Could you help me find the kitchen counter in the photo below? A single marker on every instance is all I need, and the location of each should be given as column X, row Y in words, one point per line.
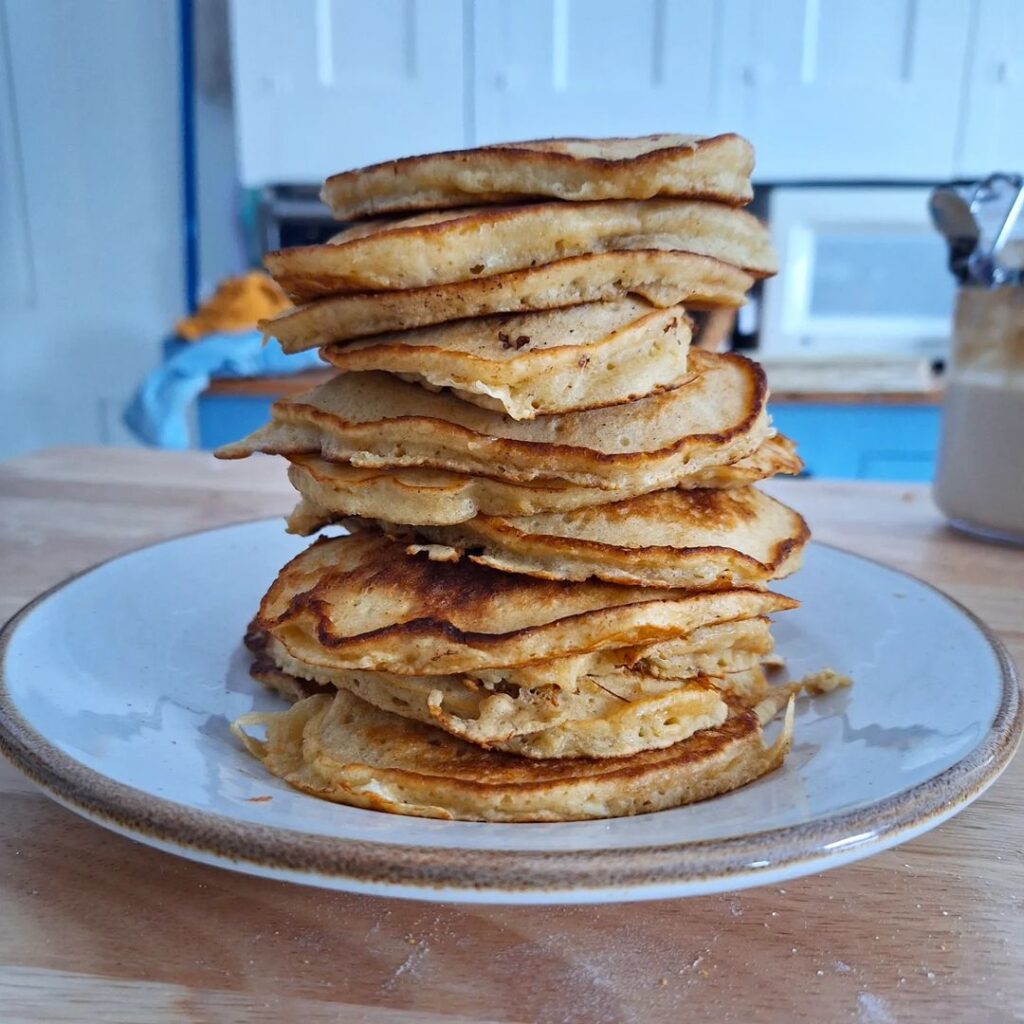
column 96, row 927
column 869, row 398
column 275, row 387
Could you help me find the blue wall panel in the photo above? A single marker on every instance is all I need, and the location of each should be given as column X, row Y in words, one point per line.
column 224, row 418
column 863, row 442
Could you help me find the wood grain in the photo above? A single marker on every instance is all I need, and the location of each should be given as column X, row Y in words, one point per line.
column 269, row 387
column 917, row 398
column 95, row 927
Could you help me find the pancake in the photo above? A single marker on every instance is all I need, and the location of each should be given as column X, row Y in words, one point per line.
column 374, row 419
column 622, row 717
column 715, row 167
column 580, row 357
column 340, row 748
column 609, row 711
column 601, row 716
column 420, row 497
column 438, row 248
column 690, row 539
column 662, row 278
column 361, row 602
column 776, row 456
column 732, row 651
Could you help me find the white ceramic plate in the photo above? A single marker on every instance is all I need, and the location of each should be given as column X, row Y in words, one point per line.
column 118, row 687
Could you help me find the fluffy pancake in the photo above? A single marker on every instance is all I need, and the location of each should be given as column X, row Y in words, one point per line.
column 691, row 539
column 733, row 652
column 438, row 248
column 579, row 357
column 716, row 167
column 601, row 716
column 361, row 602
column 419, row 497
column 621, row 717
column 610, row 711
column 663, row 278
column 374, row 419
column 340, row 748
column 776, row 456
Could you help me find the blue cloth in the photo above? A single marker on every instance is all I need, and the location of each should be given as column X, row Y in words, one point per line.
column 158, row 414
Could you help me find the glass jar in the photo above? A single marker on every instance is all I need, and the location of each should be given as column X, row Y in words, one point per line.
column 980, row 480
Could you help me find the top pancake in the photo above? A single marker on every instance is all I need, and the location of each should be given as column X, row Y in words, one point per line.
column 692, row 166
column 440, row 247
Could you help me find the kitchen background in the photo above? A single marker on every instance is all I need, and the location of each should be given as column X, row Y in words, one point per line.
column 149, row 149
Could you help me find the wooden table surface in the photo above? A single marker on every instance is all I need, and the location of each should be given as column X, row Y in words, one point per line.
column 95, row 927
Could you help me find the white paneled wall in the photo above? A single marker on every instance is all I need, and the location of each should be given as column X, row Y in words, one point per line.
column 90, row 236
column 321, row 85
column 17, row 276
column 993, row 112
column 594, row 67
column 829, row 90
column 222, row 247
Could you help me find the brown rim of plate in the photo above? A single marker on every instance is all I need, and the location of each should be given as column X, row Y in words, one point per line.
column 361, row 863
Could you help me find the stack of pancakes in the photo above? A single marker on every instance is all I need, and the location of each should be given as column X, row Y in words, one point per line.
column 552, row 602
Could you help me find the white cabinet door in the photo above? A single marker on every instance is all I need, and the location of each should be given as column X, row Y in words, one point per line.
column 993, row 131
column 90, row 214
column 325, row 85
column 846, row 89
column 593, row 67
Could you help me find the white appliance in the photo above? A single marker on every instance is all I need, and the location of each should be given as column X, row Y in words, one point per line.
column 862, row 271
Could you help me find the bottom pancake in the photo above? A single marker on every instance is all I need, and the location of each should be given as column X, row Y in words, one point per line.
column 342, row 749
